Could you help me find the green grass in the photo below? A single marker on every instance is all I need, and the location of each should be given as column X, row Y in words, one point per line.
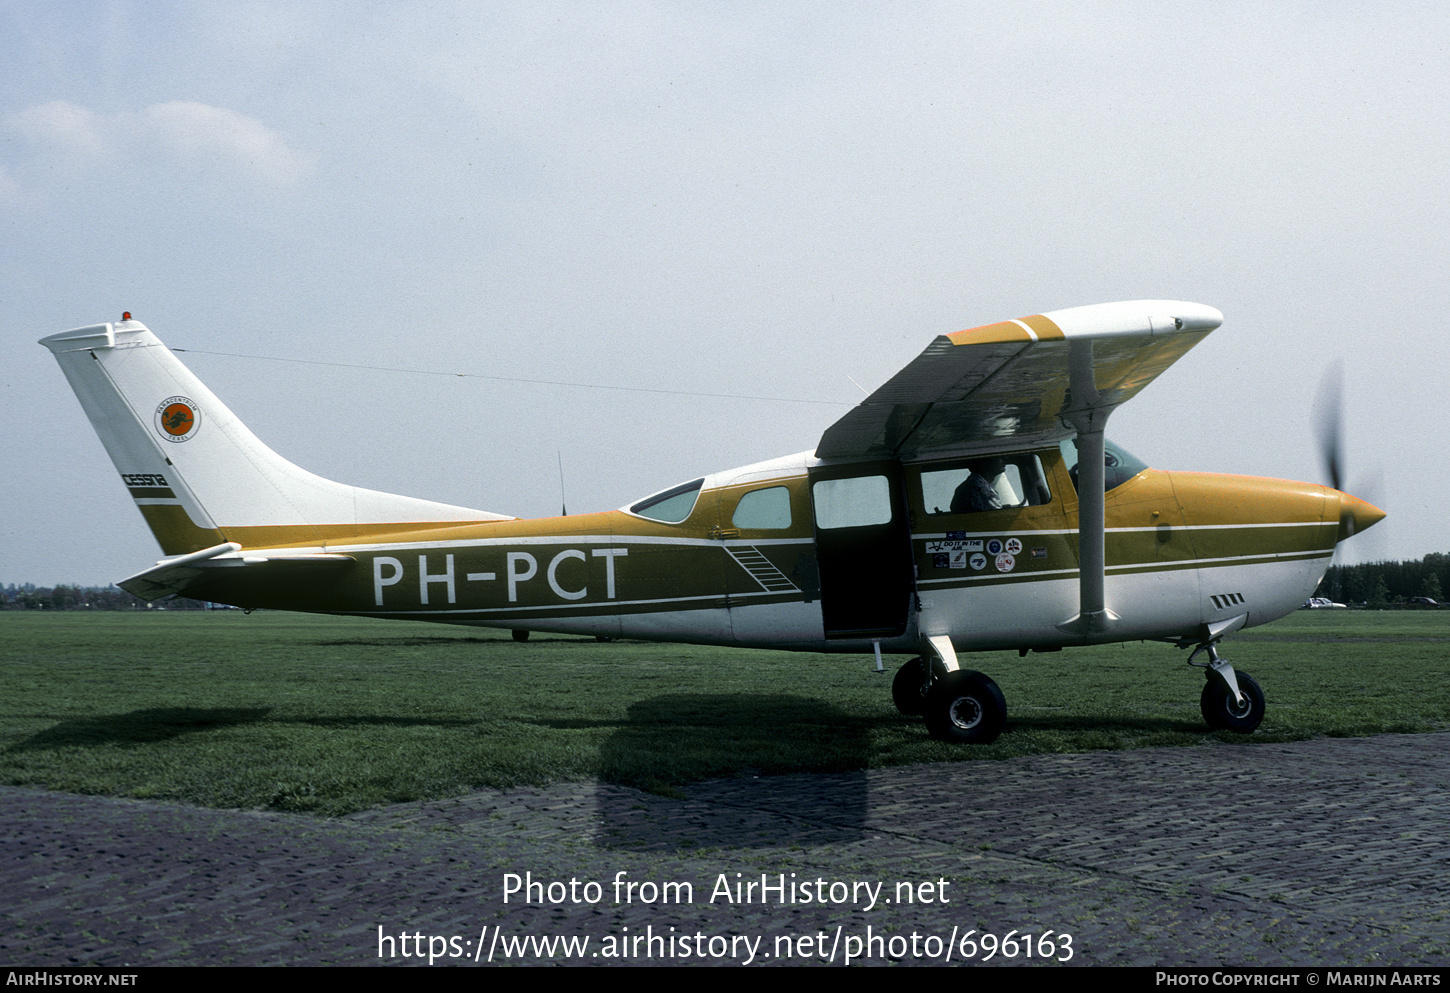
column 332, row 715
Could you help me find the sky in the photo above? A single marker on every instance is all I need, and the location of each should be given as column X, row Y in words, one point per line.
column 785, row 200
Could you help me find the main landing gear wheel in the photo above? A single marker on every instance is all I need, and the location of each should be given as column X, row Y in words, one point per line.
column 965, row 707
column 1223, row 714
column 912, row 683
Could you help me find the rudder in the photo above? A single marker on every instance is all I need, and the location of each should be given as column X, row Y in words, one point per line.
column 197, row 474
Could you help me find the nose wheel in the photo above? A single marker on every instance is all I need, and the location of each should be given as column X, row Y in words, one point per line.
column 1232, row 699
column 1222, row 713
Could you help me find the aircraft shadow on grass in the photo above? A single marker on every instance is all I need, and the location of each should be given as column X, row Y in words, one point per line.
column 668, row 742
column 138, row 727
column 142, row 727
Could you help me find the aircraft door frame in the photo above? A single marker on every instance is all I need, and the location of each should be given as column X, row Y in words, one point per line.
column 868, row 582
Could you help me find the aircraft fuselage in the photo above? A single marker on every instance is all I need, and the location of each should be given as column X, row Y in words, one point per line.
column 1183, row 550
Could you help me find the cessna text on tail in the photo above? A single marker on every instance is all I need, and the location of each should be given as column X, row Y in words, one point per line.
column 970, row 503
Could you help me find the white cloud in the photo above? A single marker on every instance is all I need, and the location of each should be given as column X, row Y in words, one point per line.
column 181, row 132
column 74, row 132
column 198, row 132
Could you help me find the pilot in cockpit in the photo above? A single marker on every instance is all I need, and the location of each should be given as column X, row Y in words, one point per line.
column 978, row 491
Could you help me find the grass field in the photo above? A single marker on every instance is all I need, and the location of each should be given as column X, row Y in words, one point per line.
column 331, row 715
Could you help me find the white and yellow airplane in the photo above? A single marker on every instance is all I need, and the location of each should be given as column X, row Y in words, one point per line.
column 969, row 504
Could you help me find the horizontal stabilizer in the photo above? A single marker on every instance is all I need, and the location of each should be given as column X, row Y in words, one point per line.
column 175, row 576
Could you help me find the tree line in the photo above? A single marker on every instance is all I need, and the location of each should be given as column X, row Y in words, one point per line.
column 1382, row 584
column 28, row 596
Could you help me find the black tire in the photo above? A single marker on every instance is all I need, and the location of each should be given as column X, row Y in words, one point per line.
column 965, row 707
column 909, row 688
column 1219, row 711
column 520, row 635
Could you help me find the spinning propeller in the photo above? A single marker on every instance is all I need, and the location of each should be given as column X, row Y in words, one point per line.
column 1330, row 427
column 1355, row 514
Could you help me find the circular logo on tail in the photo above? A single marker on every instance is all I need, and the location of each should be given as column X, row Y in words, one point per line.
column 177, row 418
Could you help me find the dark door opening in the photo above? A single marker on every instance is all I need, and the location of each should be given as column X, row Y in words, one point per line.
column 863, row 548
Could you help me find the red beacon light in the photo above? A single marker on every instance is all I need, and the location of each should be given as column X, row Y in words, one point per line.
column 125, row 315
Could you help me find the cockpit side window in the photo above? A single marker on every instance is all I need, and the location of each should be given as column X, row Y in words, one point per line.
column 993, row 482
column 1119, row 465
column 672, row 506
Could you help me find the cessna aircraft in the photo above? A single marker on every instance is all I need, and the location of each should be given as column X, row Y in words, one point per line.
column 969, row 504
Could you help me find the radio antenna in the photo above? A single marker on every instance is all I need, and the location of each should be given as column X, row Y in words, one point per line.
column 563, row 503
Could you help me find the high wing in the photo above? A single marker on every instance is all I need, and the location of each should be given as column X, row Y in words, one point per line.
column 1019, row 384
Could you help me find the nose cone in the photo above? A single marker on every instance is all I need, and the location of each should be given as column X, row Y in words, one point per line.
column 1355, row 515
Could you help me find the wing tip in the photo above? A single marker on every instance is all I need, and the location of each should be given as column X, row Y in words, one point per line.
column 1137, row 317
column 1128, row 317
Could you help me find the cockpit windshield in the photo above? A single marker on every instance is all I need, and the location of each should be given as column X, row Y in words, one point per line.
column 1119, row 465
column 672, row 506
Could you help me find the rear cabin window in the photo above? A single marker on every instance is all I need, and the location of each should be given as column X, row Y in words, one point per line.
column 672, row 506
column 993, row 482
column 763, row 510
column 855, row 502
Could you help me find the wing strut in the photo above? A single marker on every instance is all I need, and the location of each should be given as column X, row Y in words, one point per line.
column 1089, row 415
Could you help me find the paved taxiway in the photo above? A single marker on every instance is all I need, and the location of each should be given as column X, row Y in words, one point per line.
column 1321, row 852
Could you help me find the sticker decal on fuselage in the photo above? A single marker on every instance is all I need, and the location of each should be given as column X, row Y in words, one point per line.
column 955, row 545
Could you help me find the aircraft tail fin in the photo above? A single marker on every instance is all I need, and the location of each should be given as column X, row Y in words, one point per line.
column 198, row 475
